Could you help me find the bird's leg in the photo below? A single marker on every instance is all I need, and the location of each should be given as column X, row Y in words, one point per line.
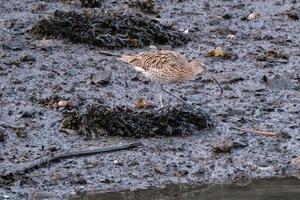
column 215, row 80
column 173, row 95
column 160, row 97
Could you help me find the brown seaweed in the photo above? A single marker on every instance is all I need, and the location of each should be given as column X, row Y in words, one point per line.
column 124, row 121
column 108, row 30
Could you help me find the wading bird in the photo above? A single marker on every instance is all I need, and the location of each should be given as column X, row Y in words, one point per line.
column 166, row 67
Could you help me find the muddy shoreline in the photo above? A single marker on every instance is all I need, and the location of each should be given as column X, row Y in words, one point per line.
column 260, row 75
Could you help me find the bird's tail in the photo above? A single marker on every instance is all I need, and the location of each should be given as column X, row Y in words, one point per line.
column 127, row 58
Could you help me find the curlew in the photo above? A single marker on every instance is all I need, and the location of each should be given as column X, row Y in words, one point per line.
column 166, row 67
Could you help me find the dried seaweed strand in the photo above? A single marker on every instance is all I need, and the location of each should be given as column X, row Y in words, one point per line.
column 265, row 133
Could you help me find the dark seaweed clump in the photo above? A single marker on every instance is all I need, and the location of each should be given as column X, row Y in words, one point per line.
column 121, row 121
column 91, row 3
column 110, row 30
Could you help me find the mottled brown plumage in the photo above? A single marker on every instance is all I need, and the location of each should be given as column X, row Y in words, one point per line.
column 164, row 66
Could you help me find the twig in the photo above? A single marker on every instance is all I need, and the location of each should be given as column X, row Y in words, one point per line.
column 13, row 126
column 64, row 155
column 265, row 133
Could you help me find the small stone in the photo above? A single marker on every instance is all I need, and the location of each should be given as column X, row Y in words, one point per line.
column 27, row 58
column 62, row 103
column 105, row 180
column 223, row 146
column 101, row 77
column 294, row 15
column 231, row 37
column 295, row 163
column 152, row 47
column 227, row 16
column 141, row 103
column 2, row 134
column 252, row 16
column 181, row 173
column 159, row 169
column 217, row 52
column 186, row 31
column 28, row 113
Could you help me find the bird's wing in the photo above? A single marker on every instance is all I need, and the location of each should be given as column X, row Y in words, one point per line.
column 155, row 59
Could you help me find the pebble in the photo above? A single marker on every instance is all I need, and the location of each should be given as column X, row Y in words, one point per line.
column 252, row 16
column 231, row 37
column 159, row 169
column 2, row 134
column 27, row 58
column 295, row 163
column 62, row 103
column 101, row 77
column 223, row 146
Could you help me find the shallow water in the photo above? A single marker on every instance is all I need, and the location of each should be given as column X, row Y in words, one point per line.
column 266, row 189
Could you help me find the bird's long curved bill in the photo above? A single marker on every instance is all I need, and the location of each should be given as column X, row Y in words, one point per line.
column 215, row 80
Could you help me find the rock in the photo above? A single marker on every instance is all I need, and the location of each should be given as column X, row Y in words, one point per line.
column 231, row 37
column 101, row 77
column 159, row 169
column 281, row 84
column 2, row 134
column 181, row 173
column 294, row 13
column 253, row 16
column 141, row 103
column 28, row 113
column 217, row 52
column 295, row 163
column 62, row 103
column 227, row 16
column 27, row 58
column 223, row 146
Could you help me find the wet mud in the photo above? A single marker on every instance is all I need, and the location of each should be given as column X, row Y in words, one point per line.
column 256, row 133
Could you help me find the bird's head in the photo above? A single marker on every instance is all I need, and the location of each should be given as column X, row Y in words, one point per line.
column 198, row 66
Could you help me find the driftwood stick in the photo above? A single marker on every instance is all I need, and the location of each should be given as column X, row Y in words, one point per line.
column 64, row 155
column 265, row 133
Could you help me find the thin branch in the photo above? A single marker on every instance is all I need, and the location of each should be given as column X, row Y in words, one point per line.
column 265, row 133
column 64, row 155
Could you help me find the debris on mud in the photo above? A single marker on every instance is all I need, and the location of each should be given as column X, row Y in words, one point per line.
column 102, row 120
column 112, row 30
column 146, row 6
